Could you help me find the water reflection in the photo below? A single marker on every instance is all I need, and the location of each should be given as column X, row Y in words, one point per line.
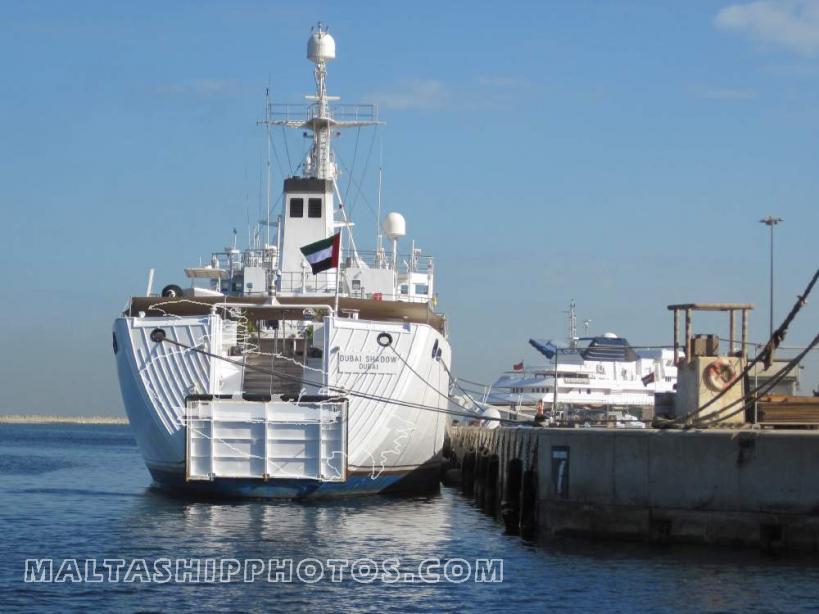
column 374, row 526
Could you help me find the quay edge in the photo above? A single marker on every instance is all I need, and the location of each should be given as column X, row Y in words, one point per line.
column 747, row 488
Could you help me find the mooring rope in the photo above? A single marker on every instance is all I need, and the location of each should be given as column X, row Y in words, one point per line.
column 158, row 335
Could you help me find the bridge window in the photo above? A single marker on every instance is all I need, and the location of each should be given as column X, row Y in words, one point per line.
column 314, row 207
column 296, row 207
column 422, row 289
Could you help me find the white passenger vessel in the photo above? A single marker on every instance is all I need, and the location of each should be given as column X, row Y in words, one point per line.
column 598, row 374
column 301, row 366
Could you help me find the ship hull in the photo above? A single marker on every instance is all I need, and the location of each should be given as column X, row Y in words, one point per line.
column 391, row 448
column 418, row 481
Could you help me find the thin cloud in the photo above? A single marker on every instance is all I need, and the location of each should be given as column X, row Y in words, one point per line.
column 792, row 70
column 725, row 93
column 503, row 82
column 199, row 87
column 481, row 92
column 414, row 94
column 792, row 24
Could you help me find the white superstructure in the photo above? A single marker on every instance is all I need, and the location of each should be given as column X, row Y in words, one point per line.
column 264, row 379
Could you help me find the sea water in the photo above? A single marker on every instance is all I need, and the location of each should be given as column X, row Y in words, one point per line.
column 82, row 493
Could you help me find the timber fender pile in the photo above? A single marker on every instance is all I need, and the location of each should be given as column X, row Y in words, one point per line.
column 717, row 486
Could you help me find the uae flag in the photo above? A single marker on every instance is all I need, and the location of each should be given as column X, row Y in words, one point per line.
column 323, row 255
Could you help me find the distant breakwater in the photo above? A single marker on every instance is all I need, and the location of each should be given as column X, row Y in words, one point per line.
column 43, row 419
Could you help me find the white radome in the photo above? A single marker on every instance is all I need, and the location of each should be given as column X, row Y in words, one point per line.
column 395, row 226
column 321, row 47
column 491, row 416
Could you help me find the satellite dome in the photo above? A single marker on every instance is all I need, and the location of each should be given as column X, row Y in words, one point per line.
column 610, row 336
column 321, row 47
column 395, row 226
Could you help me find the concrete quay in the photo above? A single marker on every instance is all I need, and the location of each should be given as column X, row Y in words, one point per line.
column 735, row 487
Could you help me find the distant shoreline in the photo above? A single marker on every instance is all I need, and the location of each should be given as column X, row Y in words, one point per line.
column 43, row 419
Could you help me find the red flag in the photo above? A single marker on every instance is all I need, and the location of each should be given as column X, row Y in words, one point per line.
column 518, row 367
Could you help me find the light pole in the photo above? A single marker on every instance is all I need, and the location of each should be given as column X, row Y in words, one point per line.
column 770, row 222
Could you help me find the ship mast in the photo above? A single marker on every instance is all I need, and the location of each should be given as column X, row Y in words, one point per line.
column 322, row 118
column 269, row 178
column 572, row 325
column 321, row 48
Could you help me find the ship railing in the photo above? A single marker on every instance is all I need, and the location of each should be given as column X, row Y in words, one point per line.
column 407, row 263
column 339, row 112
column 306, row 283
column 374, row 259
column 247, row 257
column 324, row 284
column 574, row 380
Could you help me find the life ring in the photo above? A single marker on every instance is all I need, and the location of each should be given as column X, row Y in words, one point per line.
column 719, row 375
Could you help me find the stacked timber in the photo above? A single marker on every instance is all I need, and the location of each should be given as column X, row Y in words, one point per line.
column 781, row 410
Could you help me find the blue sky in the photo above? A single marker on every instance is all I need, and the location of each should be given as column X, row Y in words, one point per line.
column 617, row 153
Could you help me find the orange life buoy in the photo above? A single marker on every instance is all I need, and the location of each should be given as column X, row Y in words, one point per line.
column 719, row 375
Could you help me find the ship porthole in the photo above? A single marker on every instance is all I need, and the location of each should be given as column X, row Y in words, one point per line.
column 384, row 339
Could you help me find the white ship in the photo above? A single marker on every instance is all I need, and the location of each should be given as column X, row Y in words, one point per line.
column 589, row 380
column 301, row 366
column 602, row 373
